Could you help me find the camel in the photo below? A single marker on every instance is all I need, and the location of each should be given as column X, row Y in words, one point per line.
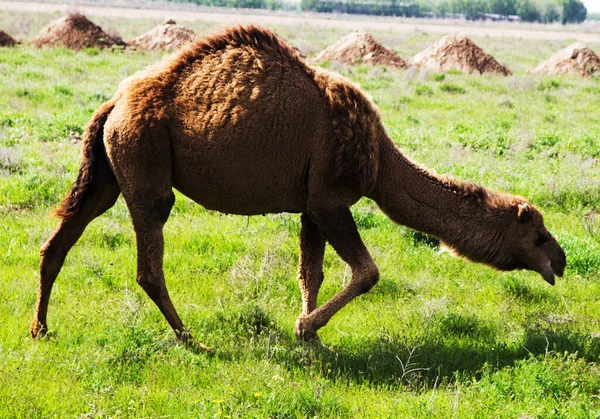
column 239, row 123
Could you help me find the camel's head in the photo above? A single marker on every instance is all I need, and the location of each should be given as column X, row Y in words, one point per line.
column 531, row 246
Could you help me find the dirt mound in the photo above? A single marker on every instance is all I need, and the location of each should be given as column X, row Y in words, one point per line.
column 169, row 36
column 6, row 40
column 360, row 47
column 576, row 60
column 460, row 54
column 75, row 32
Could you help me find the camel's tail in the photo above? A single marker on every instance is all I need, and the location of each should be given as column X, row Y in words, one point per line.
column 94, row 157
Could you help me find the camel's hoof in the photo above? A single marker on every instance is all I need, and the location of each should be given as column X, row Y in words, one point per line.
column 304, row 330
column 199, row 348
column 37, row 330
column 193, row 345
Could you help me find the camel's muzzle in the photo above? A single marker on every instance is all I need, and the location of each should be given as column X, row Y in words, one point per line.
column 556, row 264
column 559, row 263
column 548, row 275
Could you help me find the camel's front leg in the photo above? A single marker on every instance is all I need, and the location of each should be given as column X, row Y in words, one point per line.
column 339, row 229
column 310, row 271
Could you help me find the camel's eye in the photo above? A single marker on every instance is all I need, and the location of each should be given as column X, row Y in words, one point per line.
column 541, row 239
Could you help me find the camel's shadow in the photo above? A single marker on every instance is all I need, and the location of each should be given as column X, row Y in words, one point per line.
column 391, row 361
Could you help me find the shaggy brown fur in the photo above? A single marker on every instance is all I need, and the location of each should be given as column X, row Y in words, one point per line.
column 241, row 124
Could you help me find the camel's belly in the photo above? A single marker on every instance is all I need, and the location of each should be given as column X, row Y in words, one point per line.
column 232, row 199
column 250, row 182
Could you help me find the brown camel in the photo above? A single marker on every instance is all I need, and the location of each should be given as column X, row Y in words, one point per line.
column 241, row 124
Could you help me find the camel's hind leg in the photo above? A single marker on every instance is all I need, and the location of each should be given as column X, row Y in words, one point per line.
column 102, row 196
column 310, row 271
column 339, row 229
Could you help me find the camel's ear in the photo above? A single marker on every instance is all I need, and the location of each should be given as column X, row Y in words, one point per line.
column 524, row 213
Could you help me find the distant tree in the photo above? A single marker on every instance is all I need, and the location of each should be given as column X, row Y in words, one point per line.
column 470, row 8
column 474, row 8
column 503, row 7
column 441, row 8
column 528, row 11
column 250, row 4
column 457, row 6
column 309, row 4
column 551, row 13
column 274, row 4
column 573, row 11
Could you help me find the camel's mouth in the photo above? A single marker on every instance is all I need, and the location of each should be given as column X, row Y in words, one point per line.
column 548, row 274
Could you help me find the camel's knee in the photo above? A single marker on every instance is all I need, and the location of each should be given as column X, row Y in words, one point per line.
column 152, row 286
column 52, row 248
column 305, row 329
column 46, row 251
column 52, row 256
column 368, row 279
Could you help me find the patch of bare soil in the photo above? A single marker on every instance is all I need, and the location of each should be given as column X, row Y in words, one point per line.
column 169, row 36
column 576, row 60
column 6, row 40
column 360, row 47
column 76, row 32
column 458, row 53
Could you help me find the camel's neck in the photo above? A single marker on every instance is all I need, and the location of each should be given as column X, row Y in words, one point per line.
column 460, row 214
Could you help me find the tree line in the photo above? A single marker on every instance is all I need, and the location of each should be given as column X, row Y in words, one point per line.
column 543, row 11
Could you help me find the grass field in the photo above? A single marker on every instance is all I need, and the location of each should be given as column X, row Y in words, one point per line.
column 437, row 337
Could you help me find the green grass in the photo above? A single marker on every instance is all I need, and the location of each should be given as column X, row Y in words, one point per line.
column 437, row 337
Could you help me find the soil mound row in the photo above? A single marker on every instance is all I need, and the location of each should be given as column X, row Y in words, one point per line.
column 575, row 60
column 458, row 53
column 168, row 36
column 360, row 47
column 75, row 32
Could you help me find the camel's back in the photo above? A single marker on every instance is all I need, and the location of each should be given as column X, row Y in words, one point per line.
column 248, row 119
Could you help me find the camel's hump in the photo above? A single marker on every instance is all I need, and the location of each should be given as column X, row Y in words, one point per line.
column 249, row 36
column 253, row 36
